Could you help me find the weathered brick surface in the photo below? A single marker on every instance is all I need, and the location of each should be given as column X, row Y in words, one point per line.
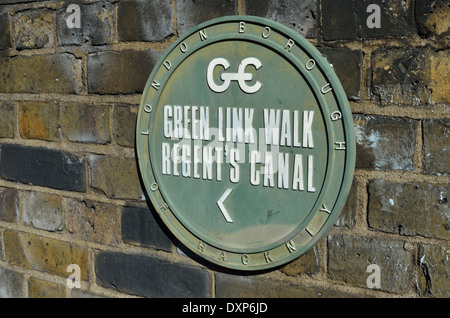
column 9, row 205
column 347, row 65
column 432, row 17
column 435, row 271
column 95, row 24
column 93, row 221
column 34, row 29
column 235, row 286
column 44, row 254
column 79, row 293
column 5, row 31
column 38, row 288
column 14, row 1
column 339, row 20
column 347, row 20
column 44, row 167
column 384, row 143
column 349, row 256
column 347, row 216
column 307, row 263
column 418, row 209
column 150, row 277
column 124, row 125
column 410, row 76
column 141, row 226
column 39, row 120
column 42, row 210
column 87, row 123
column 436, row 146
column 141, row 20
column 119, row 73
column 11, row 284
column 116, row 177
column 396, row 18
column 7, row 120
column 54, row 73
column 301, row 16
column 2, row 255
column 192, row 12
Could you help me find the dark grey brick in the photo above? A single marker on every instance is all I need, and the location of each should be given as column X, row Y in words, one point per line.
column 14, row 1
column 44, row 167
column 120, row 73
column 347, row 216
column 301, row 16
column 384, row 143
column 86, row 123
column 5, row 33
column 141, row 226
column 150, row 277
column 9, row 205
column 258, row 286
column 349, row 257
column 347, row 19
column 338, row 20
column 436, row 145
column 347, row 65
column 96, row 22
column 142, row 20
column 193, row 12
column 7, row 120
column 123, row 119
column 2, row 256
column 396, row 18
column 11, row 284
column 412, row 209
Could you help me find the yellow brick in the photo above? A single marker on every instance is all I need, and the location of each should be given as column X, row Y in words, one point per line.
column 44, row 254
column 42, row 289
column 439, row 65
column 39, row 120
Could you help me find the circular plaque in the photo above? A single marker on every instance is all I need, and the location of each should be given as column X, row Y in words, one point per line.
column 245, row 142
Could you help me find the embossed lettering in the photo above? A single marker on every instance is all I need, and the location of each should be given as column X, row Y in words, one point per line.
column 167, row 64
column 148, row 108
column 183, row 47
column 241, row 27
column 324, row 209
column 326, row 88
column 290, row 43
column 291, row 246
column 336, row 115
column 268, row 257
column 203, row 35
column 266, row 32
column 339, row 145
column 155, row 84
column 310, row 64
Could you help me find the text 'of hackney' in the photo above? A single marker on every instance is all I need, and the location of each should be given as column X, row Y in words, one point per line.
column 245, row 142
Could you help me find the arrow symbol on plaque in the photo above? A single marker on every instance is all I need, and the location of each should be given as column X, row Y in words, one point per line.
column 222, row 207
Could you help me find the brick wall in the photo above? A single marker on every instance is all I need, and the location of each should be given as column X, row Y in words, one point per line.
column 70, row 191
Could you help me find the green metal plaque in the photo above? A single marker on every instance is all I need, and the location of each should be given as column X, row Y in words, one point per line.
column 245, row 142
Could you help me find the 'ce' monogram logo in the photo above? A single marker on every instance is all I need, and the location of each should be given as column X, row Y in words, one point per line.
column 241, row 77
